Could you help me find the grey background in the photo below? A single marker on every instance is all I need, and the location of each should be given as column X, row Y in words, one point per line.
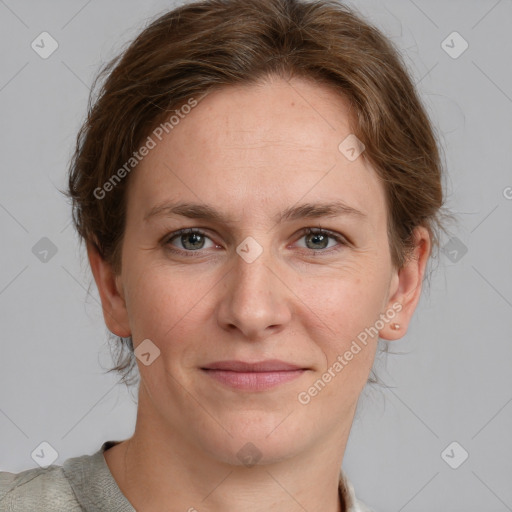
column 454, row 381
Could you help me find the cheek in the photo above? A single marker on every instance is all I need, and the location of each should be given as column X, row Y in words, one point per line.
column 345, row 301
column 343, row 313
column 161, row 301
column 175, row 312
column 342, row 325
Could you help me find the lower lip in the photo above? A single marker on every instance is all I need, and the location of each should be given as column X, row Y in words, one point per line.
column 253, row 381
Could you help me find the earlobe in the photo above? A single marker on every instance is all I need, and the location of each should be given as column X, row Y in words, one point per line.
column 111, row 293
column 407, row 283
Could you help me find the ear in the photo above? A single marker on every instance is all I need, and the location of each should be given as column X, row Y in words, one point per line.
column 406, row 285
column 111, row 293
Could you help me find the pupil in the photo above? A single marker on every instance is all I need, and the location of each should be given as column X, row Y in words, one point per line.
column 322, row 238
column 191, row 239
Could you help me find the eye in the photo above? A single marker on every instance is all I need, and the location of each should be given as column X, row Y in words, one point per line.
column 318, row 239
column 190, row 240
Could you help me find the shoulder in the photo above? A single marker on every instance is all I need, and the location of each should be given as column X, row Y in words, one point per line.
column 359, row 506
column 352, row 504
column 81, row 483
column 43, row 489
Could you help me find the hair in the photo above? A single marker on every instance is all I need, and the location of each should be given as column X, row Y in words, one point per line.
column 210, row 44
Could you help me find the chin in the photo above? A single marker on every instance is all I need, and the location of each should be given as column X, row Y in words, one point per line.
column 255, row 443
column 244, row 452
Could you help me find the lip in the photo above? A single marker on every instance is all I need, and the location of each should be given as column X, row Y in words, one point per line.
column 257, row 376
column 269, row 365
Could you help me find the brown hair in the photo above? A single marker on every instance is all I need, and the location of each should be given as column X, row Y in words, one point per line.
column 209, row 44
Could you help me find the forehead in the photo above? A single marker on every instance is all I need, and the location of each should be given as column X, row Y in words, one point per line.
column 254, row 150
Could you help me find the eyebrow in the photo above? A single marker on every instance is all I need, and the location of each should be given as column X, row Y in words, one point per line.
column 207, row 212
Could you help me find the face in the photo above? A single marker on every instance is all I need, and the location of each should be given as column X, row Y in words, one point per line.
column 250, row 283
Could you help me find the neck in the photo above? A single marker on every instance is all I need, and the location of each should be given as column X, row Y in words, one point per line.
column 156, row 468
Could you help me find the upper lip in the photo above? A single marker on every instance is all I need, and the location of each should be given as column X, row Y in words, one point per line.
column 269, row 365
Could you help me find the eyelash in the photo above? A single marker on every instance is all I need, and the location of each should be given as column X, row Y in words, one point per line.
column 304, row 232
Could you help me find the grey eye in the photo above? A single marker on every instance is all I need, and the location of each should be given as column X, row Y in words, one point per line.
column 190, row 240
column 318, row 240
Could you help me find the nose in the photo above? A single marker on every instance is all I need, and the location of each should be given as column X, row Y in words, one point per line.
column 255, row 299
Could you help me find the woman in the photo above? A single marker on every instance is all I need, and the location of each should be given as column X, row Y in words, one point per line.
column 259, row 190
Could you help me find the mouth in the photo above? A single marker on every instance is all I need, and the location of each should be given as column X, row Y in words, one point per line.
column 258, row 376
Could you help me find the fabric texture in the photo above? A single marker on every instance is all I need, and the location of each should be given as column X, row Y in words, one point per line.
column 85, row 484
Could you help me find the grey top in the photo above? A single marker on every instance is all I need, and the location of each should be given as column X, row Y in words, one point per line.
column 85, row 483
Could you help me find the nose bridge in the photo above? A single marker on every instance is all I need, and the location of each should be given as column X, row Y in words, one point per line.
column 252, row 271
column 251, row 281
column 254, row 299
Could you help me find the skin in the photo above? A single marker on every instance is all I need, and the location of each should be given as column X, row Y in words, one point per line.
column 250, row 152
